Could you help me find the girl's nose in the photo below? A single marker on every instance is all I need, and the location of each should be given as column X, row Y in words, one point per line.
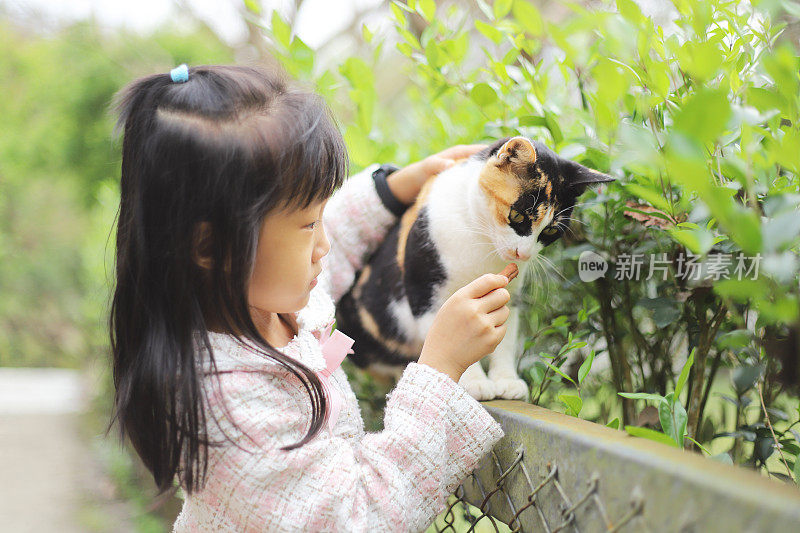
column 323, row 245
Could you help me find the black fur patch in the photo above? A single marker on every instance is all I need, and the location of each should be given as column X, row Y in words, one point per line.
column 423, row 269
column 423, row 274
column 383, row 285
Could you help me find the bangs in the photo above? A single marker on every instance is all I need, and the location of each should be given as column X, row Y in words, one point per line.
column 305, row 152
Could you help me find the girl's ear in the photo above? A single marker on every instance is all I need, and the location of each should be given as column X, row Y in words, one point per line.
column 201, row 245
column 580, row 177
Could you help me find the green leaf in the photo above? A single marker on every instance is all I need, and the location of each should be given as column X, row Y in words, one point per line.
column 642, row 396
column 358, row 73
column 738, row 338
column 614, row 423
column 280, row 30
column 665, row 310
column 743, row 224
column 483, row 94
column 783, row 230
column 573, row 403
column 359, row 147
column 697, row 241
column 704, row 115
column 586, row 366
column 553, row 127
column 532, row 120
column 402, row 6
column 489, row 31
column 302, row 55
column 366, row 34
column 766, row 99
column 501, row 8
column 432, row 53
column 687, row 437
column 723, row 457
column 744, row 377
column 559, row 372
column 253, row 6
column 629, row 10
column 397, row 11
column 797, row 470
column 673, row 417
column 527, row 15
column 741, row 290
column 457, row 47
column 782, row 66
column 684, row 374
column 700, row 59
column 651, row 196
column 426, row 8
column 651, row 434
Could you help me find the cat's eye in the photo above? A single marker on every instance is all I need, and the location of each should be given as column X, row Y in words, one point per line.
column 550, row 230
column 516, row 216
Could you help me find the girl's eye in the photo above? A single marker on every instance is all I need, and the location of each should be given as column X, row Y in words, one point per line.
column 313, row 224
column 550, row 230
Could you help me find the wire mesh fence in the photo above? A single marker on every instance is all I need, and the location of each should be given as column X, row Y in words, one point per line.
column 552, row 472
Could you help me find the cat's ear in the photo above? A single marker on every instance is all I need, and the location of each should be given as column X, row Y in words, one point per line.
column 580, row 177
column 517, row 149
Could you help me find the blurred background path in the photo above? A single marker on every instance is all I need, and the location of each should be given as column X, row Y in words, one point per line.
column 49, row 478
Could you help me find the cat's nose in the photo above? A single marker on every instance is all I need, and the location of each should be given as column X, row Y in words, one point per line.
column 521, row 256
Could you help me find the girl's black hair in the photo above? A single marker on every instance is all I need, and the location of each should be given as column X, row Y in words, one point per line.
column 219, row 151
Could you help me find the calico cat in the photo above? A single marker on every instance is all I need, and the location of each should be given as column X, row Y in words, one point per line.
column 503, row 204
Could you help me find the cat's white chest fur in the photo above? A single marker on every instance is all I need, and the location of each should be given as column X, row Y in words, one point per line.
column 461, row 230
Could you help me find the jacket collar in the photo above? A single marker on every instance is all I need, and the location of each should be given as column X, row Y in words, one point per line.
column 312, row 320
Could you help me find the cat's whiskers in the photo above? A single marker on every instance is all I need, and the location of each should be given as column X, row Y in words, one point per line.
column 566, row 227
column 575, row 206
column 492, row 250
column 572, row 220
column 477, row 231
column 541, row 284
column 531, row 267
column 546, row 261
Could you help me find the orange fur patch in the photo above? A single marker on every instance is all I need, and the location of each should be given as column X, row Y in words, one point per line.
column 501, row 187
column 371, row 327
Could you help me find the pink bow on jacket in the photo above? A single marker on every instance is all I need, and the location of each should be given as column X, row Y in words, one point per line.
column 335, row 347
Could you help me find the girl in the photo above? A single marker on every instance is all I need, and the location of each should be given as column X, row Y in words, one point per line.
column 232, row 249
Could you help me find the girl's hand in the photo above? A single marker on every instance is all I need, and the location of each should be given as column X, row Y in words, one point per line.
column 469, row 326
column 406, row 183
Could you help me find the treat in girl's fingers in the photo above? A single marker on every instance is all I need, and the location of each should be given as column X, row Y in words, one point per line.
column 510, row 271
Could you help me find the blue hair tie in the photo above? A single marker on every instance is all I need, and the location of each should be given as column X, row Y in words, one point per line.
column 180, row 74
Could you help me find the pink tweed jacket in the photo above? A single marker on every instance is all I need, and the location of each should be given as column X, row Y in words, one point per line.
column 394, row 480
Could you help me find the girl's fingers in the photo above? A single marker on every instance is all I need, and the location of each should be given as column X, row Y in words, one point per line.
column 483, row 285
column 445, row 159
column 461, row 150
column 435, row 164
column 494, row 300
column 499, row 316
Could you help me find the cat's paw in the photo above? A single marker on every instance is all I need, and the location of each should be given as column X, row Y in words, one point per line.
column 479, row 388
column 511, row 389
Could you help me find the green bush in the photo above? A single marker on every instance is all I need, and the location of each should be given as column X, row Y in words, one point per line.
column 695, row 114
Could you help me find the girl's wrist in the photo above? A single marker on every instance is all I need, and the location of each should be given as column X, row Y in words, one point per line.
column 451, row 370
column 403, row 185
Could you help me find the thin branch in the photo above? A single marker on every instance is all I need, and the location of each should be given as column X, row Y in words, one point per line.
column 778, row 446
